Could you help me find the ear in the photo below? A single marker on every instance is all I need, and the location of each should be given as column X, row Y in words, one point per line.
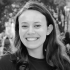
column 49, row 29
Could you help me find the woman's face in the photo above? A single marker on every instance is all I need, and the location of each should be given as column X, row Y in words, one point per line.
column 32, row 29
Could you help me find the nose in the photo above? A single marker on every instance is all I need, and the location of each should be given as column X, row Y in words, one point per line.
column 31, row 30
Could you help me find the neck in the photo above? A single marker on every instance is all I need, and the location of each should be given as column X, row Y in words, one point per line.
column 36, row 52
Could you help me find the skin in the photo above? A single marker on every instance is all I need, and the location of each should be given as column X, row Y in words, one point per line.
column 33, row 25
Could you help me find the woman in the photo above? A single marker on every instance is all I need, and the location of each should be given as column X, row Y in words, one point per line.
column 35, row 34
column 36, row 40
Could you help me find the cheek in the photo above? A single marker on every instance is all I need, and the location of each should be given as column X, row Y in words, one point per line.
column 43, row 31
column 21, row 32
column 43, row 36
column 22, row 35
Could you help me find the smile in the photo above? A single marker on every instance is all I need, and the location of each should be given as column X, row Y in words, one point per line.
column 32, row 39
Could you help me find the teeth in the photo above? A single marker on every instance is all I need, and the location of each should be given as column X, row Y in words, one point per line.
column 31, row 39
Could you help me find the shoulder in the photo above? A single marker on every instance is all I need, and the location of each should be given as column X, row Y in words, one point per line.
column 6, row 63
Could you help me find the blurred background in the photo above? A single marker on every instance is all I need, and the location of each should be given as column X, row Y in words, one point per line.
column 55, row 6
column 60, row 9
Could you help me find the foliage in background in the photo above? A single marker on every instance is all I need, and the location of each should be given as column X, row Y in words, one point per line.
column 5, row 8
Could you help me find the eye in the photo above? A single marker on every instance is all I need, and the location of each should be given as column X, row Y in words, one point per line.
column 37, row 26
column 24, row 26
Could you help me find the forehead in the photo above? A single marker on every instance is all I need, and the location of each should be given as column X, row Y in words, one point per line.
column 31, row 14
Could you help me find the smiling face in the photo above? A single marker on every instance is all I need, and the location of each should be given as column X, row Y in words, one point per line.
column 32, row 29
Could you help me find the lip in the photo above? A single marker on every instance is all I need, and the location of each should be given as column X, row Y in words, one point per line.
column 32, row 38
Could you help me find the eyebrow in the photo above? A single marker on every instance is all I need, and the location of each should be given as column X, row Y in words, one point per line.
column 24, row 22
column 36, row 22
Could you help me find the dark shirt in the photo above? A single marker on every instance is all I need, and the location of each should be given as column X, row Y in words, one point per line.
column 34, row 64
column 38, row 64
column 6, row 63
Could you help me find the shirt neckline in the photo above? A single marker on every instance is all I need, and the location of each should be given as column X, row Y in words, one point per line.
column 31, row 58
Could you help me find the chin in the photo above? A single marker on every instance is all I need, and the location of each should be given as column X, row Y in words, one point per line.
column 32, row 47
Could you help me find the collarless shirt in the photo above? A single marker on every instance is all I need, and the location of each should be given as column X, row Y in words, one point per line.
column 38, row 64
column 6, row 63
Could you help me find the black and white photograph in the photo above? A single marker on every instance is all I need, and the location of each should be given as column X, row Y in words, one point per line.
column 34, row 34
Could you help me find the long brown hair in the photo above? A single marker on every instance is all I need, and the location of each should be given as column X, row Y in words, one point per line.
column 51, row 48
